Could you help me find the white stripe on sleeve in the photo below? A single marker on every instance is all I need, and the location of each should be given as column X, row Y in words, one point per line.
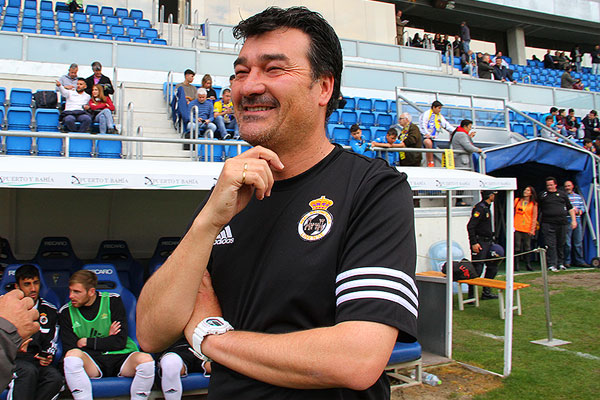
column 375, row 294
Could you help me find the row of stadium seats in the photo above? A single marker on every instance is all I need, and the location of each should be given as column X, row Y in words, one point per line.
column 57, row 260
column 46, row 5
column 366, row 104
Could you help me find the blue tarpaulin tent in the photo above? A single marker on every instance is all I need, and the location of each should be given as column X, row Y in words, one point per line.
column 532, row 160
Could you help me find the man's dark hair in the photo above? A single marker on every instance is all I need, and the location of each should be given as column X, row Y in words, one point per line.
column 436, row 103
column 96, row 66
column 551, row 178
column 571, row 110
column 231, row 77
column 354, row 128
column 594, row 112
column 466, row 122
column 225, row 90
column 587, row 140
column 81, row 79
column 561, row 111
column 26, row 271
column 553, row 110
column 392, row 132
column 188, row 72
column 549, row 117
column 325, row 52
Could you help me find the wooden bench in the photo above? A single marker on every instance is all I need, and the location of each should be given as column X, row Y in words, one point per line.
column 494, row 284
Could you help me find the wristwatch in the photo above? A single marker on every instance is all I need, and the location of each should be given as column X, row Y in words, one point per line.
column 208, row 326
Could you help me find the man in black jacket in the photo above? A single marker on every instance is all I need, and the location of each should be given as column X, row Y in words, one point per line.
column 591, row 125
column 98, row 79
column 484, row 69
column 34, row 377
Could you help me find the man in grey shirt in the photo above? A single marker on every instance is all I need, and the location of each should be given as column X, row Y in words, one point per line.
column 69, row 80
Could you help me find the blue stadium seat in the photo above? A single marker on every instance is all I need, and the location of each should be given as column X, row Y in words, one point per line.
column 107, row 11
column 80, row 17
column 49, row 147
column 116, row 252
column 12, row 11
column 341, row 135
column 2, row 95
column 10, row 23
column 47, row 24
column 47, row 31
column 380, row 105
column 6, row 254
column 8, row 283
column 334, row 118
column 111, row 20
column 122, row 38
column 144, row 24
column 518, row 128
column 121, row 12
column 61, row 6
column 108, row 148
column 28, row 23
column 116, row 30
column 45, row 14
column 67, row 33
column 104, row 36
column 136, row 14
column 529, row 130
column 100, row 29
column 2, row 114
column 366, row 119
column 18, row 118
column 18, row 145
column 29, row 13
column 364, row 104
column 384, row 119
column 159, row 41
column 350, row 103
column 46, row 120
column 92, row 9
column 128, row 22
column 164, row 247
column 80, row 147
column 87, row 35
column 141, row 40
column 82, row 27
column 63, row 16
column 349, row 118
column 65, row 26
column 392, row 106
column 95, row 19
column 134, row 32
column 58, row 261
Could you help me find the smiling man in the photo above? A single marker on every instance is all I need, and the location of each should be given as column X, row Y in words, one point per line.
column 313, row 271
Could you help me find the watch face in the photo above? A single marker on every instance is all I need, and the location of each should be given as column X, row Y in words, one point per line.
column 214, row 322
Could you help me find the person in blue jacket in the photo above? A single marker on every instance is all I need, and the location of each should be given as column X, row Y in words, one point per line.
column 358, row 143
column 389, row 141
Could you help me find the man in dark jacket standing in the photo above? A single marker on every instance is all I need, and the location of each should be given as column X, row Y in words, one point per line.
column 98, row 79
column 596, row 60
column 484, row 69
column 465, row 36
column 591, row 125
column 410, row 136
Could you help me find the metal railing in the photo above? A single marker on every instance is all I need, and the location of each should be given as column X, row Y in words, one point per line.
column 170, row 93
column 121, row 102
column 181, row 28
column 170, row 30
column 449, row 58
column 161, row 20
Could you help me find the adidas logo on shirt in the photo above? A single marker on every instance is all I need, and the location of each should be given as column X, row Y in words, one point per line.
column 225, row 237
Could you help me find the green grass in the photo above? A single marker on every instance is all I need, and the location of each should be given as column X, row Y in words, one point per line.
column 537, row 371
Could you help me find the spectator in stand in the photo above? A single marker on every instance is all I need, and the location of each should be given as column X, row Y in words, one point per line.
column 563, row 61
column 102, row 108
column 553, row 112
column 571, row 121
column 34, row 377
column 596, row 60
column 75, row 5
column 552, row 126
column 468, row 62
column 206, row 117
column 409, row 136
column 566, row 80
column 76, row 107
column 437, row 42
column 94, row 334
column 465, row 36
column 416, row 41
column 457, row 46
column 188, row 89
column 390, row 141
column 577, row 57
column 574, row 238
column 549, row 61
column 98, row 79
column 526, row 213
column 224, row 117
column 445, row 43
column 484, row 69
column 231, row 78
column 69, row 80
column 358, row 144
column 589, row 145
column 578, row 85
column 503, row 61
column 430, row 124
column 502, row 73
column 427, row 42
column 400, row 24
column 462, row 139
column 567, row 129
column 534, row 58
column 555, row 207
column 211, row 94
column 341, row 101
column 591, row 125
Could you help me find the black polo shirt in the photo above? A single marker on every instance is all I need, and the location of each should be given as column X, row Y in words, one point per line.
column 555, row 207
column 334, row 244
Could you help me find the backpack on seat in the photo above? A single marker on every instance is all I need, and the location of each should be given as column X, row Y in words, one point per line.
column 461, row 270
column 45, row 99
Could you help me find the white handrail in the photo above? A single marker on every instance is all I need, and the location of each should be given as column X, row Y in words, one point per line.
column 170, row 90
column 139, row 146
column 181, row 35
column 161, row 19
column 170, row 28
column 129, row 131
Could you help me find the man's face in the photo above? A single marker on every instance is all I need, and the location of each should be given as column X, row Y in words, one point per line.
column 498, row 61
column 549, row 122
column 436, row 110
column 592, row 116
column 226, row 97
column 357, row 135
column 201, row 97
column 403, row 121
column 79, row 295
column 569, row 187
column 391, row 139
column 81, row 85
column 98, row 73
column 551, row 186
column 189, row 78
column 274, row 95
column 73, row 73
column 30, row 287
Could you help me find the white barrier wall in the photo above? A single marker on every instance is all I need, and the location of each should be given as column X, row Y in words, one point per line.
column 588, row 10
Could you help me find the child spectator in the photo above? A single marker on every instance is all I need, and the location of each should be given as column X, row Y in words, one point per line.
column 102, row 108
column 390, row 140
column 552, row 126
column 588, row 145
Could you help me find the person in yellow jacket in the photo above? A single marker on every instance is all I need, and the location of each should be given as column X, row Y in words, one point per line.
column 526, row 212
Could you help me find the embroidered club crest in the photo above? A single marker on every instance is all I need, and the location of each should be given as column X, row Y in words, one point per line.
column 43, row 319
column 315, row 224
